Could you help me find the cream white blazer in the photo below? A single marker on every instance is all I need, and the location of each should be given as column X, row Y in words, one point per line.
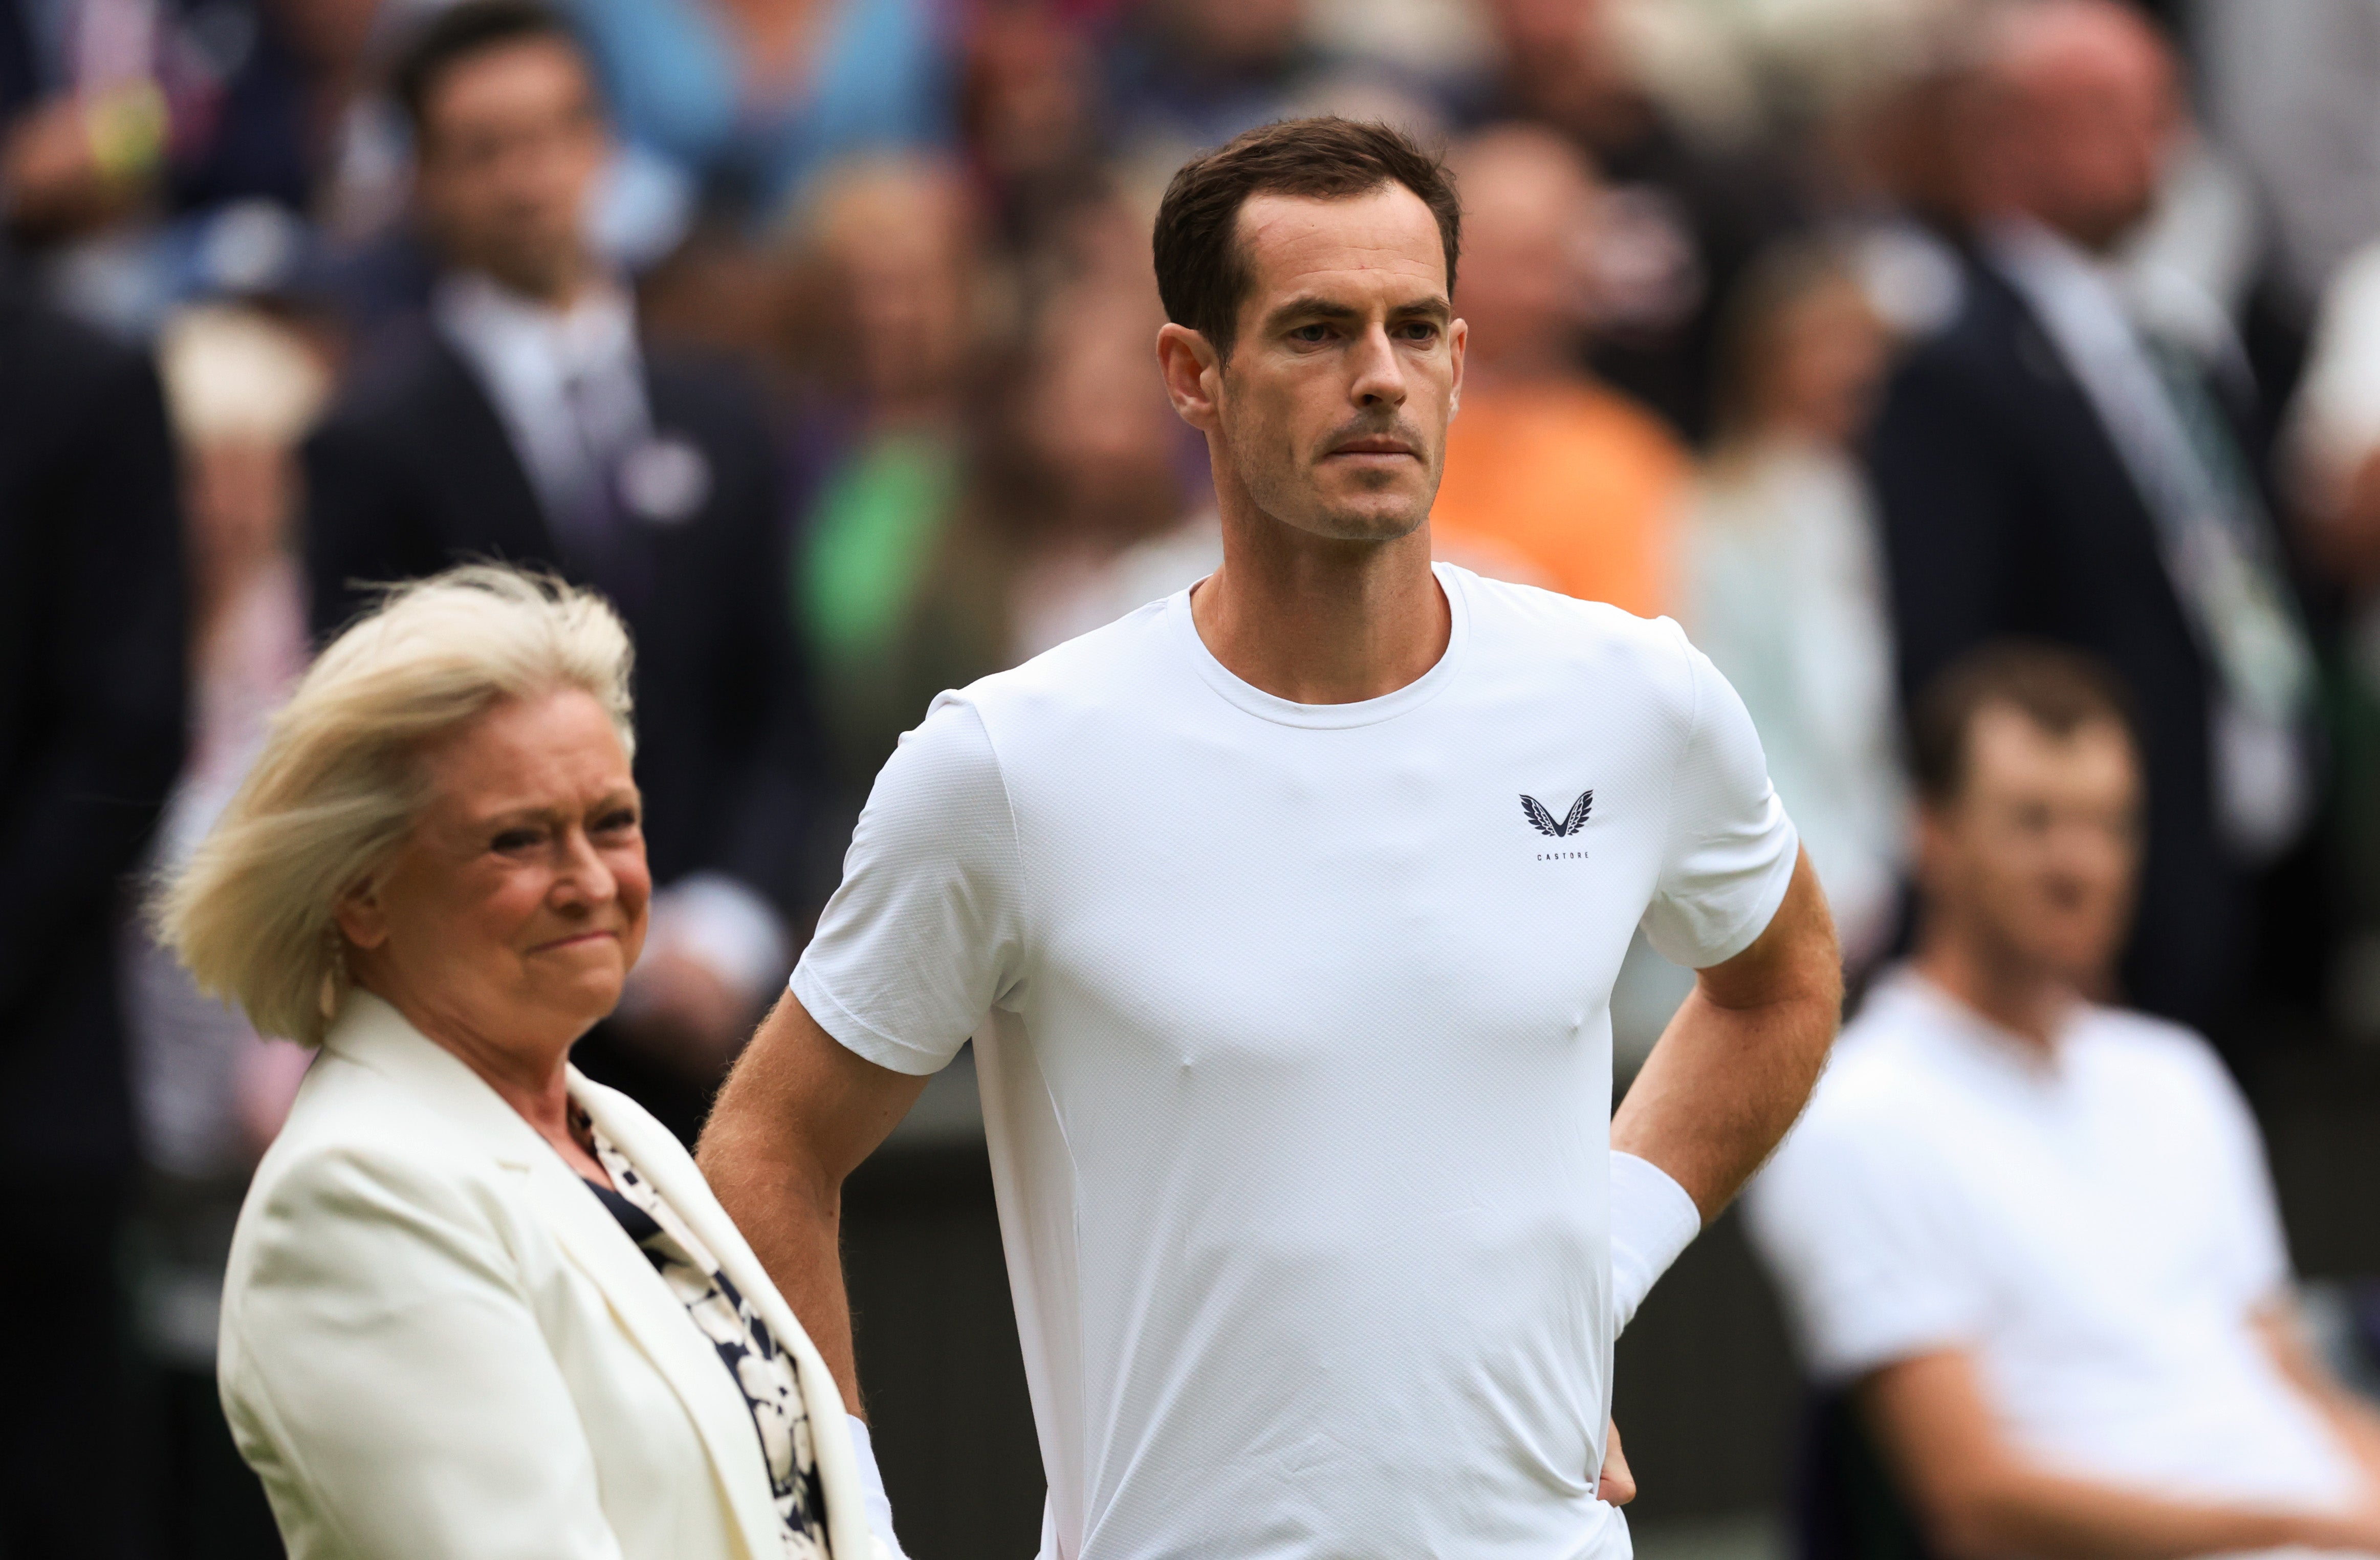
column 436, row 1341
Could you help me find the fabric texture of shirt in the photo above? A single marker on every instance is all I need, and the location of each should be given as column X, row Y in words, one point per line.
column 762, row 1371
column 2095, row 1227
column 1570, row 486
column 1292, row 1030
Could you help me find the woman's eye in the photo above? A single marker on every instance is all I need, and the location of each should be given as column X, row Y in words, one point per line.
column 516, row 839
column 616, row 822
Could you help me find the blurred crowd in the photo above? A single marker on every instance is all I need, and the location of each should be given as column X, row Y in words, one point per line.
column 819, row 334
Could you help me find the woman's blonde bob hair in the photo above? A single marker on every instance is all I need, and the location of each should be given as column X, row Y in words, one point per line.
column 335, row 788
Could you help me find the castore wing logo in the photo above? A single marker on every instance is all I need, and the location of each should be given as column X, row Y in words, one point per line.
column 1544, row 823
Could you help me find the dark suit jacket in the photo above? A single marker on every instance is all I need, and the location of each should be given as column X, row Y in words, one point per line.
column 91, row 626
column 2007, row 511
column 415, row 472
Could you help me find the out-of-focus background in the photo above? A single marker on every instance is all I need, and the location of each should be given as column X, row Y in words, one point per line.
column 888, row 263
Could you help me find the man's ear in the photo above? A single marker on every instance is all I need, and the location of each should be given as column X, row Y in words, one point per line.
column 1458, row 343
column 359, row 916
column 1193, row 372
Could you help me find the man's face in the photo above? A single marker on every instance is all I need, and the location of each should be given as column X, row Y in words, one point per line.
column 1332, row 411
column 2094, row 113
column 512, row 142
column 2035, row 860
column 1529, row 208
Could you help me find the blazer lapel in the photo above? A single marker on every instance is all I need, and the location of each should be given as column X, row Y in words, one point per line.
column 374, row 1034
column 664, row 1161
column 655, row 1318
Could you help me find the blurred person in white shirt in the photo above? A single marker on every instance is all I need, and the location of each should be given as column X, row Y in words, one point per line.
column 1782, row 581
column 2031, row 1233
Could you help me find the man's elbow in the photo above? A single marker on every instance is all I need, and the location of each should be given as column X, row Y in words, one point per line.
column 1968, row 1522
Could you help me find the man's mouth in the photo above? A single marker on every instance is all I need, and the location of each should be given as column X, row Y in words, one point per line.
column 1381, row 444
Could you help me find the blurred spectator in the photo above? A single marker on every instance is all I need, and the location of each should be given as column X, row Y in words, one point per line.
column 1551, row 478
column 108, row 102
column 1679, row 219
column 242, row 390
column 2029, row 1238
column 2333, row 460
column 2289, row 88
column 153, row 149
column 527, row 423
column 744, row 101
column 889, row 321
column 1783, row 575
column 1194, row 73
column 1092, row 475
column 1029, row 108
column 2067, row 459
column 983, row 510
column 91, row 733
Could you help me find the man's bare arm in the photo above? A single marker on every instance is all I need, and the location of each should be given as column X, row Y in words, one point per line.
column 2354, row 1418
column 1737, row 1063
column 1977, row 1498
column 795, row 1118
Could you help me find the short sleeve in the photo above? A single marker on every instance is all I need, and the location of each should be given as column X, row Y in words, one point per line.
column 2250, row 1243
column 925, row 935
column 1866, row 1247
column 1729, row 850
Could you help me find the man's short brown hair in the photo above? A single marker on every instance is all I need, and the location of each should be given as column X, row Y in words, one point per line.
column 2059, row 690
column 464, row 32
column 1202, row 272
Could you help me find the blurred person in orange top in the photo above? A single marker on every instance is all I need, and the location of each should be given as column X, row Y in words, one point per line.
column 1552, row 478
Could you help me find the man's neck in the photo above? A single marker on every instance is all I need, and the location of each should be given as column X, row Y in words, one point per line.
column 2023, row 999
column 1318, row 621
column 559, row 292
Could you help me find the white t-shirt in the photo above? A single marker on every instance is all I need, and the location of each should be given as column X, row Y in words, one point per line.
column 1297, row 1069
column 2095, row 1229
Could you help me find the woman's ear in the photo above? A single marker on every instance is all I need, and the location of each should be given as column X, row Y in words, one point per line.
column 358, row 914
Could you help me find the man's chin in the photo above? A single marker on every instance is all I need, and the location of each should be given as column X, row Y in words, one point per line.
column 1369, row 516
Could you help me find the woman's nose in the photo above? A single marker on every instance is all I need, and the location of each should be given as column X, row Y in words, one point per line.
column 586, row 878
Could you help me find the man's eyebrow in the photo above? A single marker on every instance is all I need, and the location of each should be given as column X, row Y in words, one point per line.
column 1311, row 307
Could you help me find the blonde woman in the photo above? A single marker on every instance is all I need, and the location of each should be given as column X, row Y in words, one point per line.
column 477, row 1305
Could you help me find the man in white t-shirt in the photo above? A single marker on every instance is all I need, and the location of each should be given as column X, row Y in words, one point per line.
column 1286, row 914
column 2032, row 1235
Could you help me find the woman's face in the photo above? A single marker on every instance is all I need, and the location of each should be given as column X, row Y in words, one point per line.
column 507, row 920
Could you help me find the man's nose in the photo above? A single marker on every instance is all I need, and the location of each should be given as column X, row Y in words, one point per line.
column 1380, row 376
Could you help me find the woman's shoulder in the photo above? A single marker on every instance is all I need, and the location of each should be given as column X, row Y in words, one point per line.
column 362, row 1158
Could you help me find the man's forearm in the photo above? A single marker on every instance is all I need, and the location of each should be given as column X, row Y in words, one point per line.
column 796, row 1115
column 794, row 1224
column 1980, row 1497
column 1738, row 1062
column 2056, row 1519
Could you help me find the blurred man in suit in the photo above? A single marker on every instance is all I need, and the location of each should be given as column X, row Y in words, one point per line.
column 2067, row 459
column 527, row 422
column 92, row 620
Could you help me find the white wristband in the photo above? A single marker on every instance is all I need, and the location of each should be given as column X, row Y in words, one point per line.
column 1652, row 1221
column 871, row 1487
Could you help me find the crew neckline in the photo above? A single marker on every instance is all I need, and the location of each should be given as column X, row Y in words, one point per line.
column 1331, row 717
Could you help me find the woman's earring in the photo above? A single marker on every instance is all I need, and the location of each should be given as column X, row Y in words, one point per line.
column 332, row 974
